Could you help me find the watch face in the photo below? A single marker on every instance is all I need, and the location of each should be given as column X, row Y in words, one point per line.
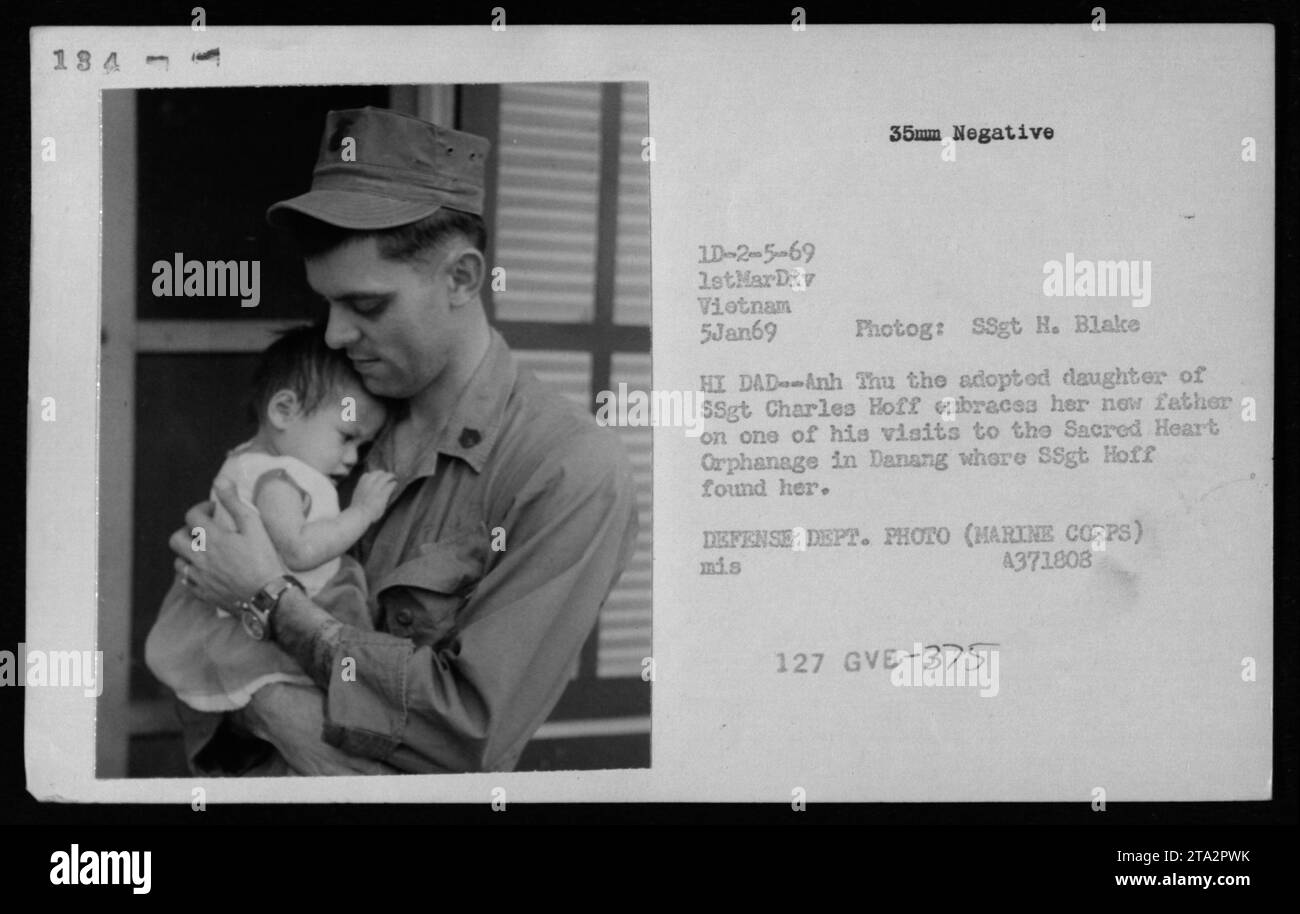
column 255, row 627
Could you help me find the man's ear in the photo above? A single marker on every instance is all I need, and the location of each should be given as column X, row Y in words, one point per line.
column 282, row 408
column 465, row 270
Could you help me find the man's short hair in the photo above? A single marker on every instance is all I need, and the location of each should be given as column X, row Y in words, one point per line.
column 301, row 362
column 406, row 243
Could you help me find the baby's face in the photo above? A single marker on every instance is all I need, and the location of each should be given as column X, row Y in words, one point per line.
column 327, row 439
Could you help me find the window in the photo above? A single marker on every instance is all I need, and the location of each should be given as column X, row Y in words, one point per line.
column 569, row 213
column 572, row 210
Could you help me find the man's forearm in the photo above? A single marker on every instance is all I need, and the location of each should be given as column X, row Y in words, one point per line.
column 308, row 634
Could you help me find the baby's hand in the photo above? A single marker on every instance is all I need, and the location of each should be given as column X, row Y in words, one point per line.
column 373, row 491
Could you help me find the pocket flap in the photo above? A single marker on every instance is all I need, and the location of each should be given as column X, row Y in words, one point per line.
column 450, row 567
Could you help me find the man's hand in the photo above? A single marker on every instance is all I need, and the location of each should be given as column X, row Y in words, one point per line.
column 372, row 493
column 291, row 718
column 234, row 564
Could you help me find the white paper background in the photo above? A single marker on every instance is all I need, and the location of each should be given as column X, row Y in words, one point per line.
column 1126, row 677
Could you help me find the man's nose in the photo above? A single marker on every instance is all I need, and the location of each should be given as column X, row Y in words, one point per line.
column 340, row 331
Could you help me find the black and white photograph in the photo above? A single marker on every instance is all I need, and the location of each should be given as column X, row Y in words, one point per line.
column 362, row 518
column 778, row 421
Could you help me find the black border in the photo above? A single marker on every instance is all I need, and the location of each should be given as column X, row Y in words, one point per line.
column 1122, row 825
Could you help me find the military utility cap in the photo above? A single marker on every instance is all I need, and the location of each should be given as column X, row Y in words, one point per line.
column 405, row 169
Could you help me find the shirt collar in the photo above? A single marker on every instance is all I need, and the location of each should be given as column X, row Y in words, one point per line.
column 476, row 418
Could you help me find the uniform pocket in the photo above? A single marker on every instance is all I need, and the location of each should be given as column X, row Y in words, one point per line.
column 419, row 599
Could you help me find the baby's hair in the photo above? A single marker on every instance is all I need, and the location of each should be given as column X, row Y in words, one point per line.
column 301, row 362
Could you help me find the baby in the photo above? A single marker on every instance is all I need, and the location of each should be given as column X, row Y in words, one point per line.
column 313, row 415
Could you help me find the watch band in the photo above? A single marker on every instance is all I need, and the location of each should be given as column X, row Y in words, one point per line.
column 276, row 590
column 257, row 613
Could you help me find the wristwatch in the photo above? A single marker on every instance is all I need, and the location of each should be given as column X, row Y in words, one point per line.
column 255, row 614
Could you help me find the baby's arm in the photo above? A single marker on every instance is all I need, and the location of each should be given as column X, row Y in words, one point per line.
column 303, row 545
